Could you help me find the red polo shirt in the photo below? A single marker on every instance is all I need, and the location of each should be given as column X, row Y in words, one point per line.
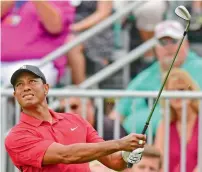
column 28, row 141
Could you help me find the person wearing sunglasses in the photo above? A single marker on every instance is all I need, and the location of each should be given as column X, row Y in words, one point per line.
column 136, row 110
column 180, row 80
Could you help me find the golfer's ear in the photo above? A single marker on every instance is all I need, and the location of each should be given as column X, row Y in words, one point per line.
column 14, row 94
column 46, row 88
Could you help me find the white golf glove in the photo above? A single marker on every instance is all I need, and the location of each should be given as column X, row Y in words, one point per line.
column 133, row 157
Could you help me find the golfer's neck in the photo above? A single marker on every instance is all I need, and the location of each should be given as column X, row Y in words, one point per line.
column 40, row 112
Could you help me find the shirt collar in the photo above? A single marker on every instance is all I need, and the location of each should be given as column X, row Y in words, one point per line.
column 37, row 122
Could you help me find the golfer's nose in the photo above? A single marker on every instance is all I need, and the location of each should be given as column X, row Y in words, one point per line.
column 26, row 87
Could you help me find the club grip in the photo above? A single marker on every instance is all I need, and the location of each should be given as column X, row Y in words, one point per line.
column 129, row 165
column 145, row 128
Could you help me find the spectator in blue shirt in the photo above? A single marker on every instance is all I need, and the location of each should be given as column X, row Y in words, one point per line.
column 134, row 111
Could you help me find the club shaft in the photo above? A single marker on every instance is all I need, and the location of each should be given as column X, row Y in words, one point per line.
column 161, row 89
column 129, row 165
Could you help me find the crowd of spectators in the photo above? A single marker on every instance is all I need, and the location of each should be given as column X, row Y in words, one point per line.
column 33, row 29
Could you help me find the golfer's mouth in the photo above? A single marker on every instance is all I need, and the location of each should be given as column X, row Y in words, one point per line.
column 27, row 95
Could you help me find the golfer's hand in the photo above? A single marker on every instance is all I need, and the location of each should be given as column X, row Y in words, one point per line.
column 132, row 142
column 133, row 157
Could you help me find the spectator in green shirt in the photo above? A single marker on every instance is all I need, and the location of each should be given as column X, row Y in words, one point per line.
column 134, row 111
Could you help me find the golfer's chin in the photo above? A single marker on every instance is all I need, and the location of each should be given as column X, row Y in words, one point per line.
column 29, row 104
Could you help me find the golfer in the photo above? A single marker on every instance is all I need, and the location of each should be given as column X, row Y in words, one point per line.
column 48, row 141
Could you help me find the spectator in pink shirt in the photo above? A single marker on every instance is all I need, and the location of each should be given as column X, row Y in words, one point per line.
column 181, row 81
column 31, row 30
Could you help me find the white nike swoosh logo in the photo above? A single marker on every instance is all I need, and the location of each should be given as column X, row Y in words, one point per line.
column 72, row 129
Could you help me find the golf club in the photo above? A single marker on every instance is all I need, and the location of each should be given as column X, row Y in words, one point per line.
column 183, row 13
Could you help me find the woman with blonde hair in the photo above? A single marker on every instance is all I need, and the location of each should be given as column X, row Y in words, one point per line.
column 180, row 80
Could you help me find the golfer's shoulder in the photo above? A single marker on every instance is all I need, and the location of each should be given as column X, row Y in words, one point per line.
column 16, row 133
column 17, row 129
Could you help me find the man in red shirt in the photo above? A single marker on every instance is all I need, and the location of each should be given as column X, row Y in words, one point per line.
column 59, row 142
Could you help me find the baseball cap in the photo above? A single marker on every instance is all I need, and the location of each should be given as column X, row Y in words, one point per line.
column 169, row 28
column 27, row 68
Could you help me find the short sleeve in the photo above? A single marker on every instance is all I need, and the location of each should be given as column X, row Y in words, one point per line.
column 92, row 135
column 24, row 148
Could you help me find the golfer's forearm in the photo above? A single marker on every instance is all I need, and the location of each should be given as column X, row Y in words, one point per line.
column 6, row 6
column 114, row 161
column 85, row 152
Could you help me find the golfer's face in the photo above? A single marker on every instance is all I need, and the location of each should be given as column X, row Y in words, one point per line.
column 29, row 90
column 147, row 164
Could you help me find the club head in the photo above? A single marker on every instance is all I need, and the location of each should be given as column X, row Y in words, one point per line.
column 183, row 13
